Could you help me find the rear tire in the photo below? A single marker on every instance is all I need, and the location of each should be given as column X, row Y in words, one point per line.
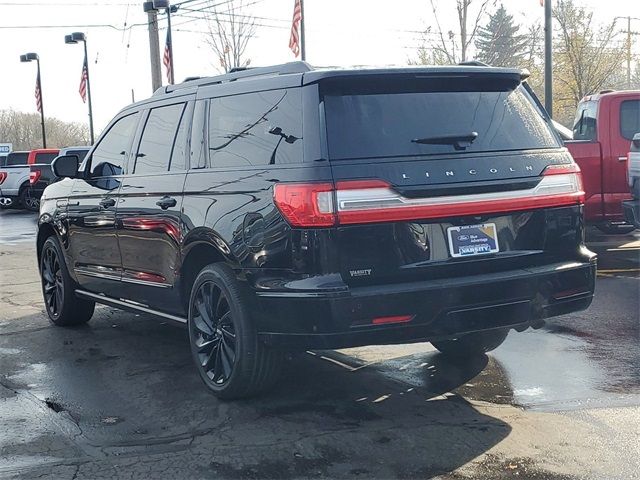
column 472, row 344
column 28, row 202
column 230, row 359
column 58, row 288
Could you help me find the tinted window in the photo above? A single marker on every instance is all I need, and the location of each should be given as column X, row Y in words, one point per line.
column 418, row 123
column 179, row 154
column 45, row 157
column 110, row 156
column 78, row 153
column 157, row 140
column 198, row 135
column 17, row 158
column 584, row 127
column 3, row 160
column 629, row 118
column 256, row 129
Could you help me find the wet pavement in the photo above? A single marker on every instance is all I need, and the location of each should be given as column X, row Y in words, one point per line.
column 119, row 398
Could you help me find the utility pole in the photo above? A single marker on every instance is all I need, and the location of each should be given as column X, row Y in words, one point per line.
column 548, row 58
column 628, row 53
column 154, row 45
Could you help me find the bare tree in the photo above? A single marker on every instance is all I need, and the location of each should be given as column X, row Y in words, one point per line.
column 587, row 57
column 453, row 46
column 229, row 33
column 23, row 131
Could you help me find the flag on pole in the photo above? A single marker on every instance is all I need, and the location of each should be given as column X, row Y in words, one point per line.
column 38, row 95
column 82, row 90
column 166, row 59
column 294, row 40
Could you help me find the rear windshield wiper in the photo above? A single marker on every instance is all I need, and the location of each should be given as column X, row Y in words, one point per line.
column 459, row 141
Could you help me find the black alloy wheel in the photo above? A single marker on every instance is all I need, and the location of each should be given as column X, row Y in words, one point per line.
column 58, row 288
column 230, row 358
column 28, row 201
column 213, row 333
column 52, row 281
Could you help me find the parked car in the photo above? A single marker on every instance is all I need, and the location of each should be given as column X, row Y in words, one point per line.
column 41, row 174
column 604, row 125
column 14, row 180
column 632, row 207
column 287, row 208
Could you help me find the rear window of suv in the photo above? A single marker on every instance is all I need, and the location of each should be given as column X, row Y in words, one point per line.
column 403, row 123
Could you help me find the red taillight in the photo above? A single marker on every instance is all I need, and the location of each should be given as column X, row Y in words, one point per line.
column 34, row 176
column 306, row 204
column 3, row 176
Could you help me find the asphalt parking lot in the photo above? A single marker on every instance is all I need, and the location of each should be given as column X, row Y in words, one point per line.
column 118, row 398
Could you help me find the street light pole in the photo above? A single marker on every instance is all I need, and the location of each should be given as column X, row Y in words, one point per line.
column 74, row 38
column 28, row 57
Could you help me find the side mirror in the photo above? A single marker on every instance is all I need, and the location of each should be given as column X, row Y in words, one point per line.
column 636, row 140
column 66, row 166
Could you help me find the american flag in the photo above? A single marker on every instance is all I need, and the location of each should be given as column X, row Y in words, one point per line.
column 83, row 82
column 38, row 95
column 166, row 59
column 294, row 40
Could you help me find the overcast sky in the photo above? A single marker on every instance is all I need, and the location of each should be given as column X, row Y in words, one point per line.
column 339, row 32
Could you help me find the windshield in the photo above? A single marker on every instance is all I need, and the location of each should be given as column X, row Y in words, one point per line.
column 424, row 123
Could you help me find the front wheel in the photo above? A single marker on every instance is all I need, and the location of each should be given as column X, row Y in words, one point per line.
column 472, row 344
column 229, row 357
column 58, row 289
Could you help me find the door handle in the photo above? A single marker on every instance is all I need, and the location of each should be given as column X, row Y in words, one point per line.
column 166, row 202
column 622, row 159
column 107, row 202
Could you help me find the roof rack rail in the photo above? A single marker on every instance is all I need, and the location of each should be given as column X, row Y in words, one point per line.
column 240, row 73
column 474, row 63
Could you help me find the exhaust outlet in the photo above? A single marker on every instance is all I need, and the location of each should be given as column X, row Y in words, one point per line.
column 5, row 202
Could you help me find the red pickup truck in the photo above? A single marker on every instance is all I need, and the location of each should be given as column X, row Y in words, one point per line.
column 602, row 132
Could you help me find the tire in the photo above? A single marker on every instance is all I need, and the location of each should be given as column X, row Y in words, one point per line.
column 225, row 348
column 27, row 201
column 616, row 229
column 58, row 288
column 472, row 344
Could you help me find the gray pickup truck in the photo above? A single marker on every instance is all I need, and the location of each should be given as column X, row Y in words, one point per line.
column 15, row 188
column 14, row 179
column 632, row 207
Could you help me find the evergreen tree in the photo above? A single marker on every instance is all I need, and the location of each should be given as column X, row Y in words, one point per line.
column 499, row 44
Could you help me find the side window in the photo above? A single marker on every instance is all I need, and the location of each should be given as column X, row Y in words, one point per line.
column 154, row 152
column 110, row 156
column 196, row 144
column 584, row 127
column 179, row 154
column 262, row 128
column 629, row 118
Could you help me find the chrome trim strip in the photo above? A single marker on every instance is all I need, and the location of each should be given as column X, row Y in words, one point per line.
column 90, row 273
column 107, row 276
column 145, row 282
column 385, row 197
column 123, row 303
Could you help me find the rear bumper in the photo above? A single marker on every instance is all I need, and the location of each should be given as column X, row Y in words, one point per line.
column 631, row 210
column 440, row 308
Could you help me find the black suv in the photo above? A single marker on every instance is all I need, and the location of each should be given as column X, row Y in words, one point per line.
column 283, row 208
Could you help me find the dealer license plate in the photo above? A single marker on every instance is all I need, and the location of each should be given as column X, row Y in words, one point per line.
column 470, row 240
